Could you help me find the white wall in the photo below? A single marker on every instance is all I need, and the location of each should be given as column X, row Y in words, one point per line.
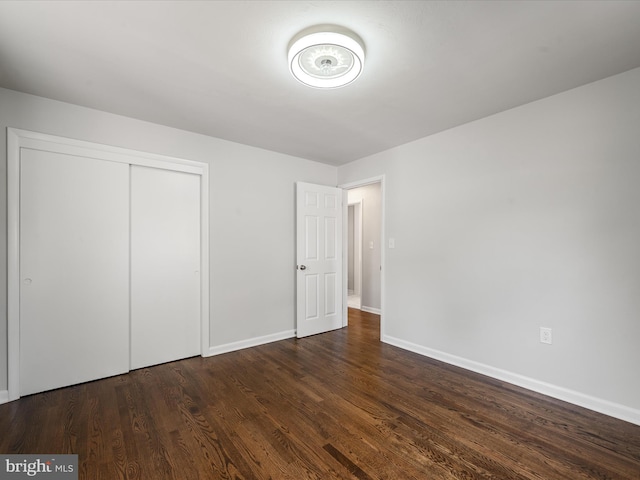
column 350, row 248
column 371, row 198
column 252, row 213
column 527, row 218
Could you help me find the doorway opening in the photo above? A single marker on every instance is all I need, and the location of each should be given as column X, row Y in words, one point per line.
column 354, row 255
column 363, row 247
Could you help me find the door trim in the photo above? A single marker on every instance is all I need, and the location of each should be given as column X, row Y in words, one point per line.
column 345, row 187
column 18, row 139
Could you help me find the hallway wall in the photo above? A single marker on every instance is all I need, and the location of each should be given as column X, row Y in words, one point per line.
column 371, row 249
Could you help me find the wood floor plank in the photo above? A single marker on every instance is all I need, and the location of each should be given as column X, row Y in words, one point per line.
column 340, row 405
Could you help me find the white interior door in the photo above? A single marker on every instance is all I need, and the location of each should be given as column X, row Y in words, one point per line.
column 319, row 258
column 165, row 266
column 74, row 269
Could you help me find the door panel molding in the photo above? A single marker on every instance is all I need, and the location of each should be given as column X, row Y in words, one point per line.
column 319, row 254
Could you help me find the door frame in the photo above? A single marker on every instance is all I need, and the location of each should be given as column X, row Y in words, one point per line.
column 345, row 200
column 18, row 139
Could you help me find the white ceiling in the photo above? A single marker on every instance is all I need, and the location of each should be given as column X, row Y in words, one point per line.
column 220, row 67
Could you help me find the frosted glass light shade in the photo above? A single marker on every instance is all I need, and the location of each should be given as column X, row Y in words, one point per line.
column 326, row 59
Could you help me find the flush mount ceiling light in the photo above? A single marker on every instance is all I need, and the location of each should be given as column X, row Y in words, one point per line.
column 326, row 57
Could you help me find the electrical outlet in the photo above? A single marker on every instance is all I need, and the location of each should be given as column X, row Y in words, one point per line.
column 545, row 335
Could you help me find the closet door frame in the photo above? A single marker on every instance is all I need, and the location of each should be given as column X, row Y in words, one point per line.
column 17, row 139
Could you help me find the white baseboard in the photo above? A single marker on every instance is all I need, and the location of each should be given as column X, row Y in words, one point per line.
column 251, row 342
column 4, row 396
column 606, row 407
column 377, row 311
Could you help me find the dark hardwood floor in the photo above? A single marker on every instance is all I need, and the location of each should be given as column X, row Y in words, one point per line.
column 336, row 405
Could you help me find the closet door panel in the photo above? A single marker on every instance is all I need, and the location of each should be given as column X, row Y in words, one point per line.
column 74, row 269
column 165, row 266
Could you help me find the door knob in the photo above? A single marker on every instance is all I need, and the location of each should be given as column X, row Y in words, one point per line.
column 302, row 267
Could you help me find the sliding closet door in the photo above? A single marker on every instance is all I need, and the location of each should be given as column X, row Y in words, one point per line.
column 165, row 266
column 74, row 269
